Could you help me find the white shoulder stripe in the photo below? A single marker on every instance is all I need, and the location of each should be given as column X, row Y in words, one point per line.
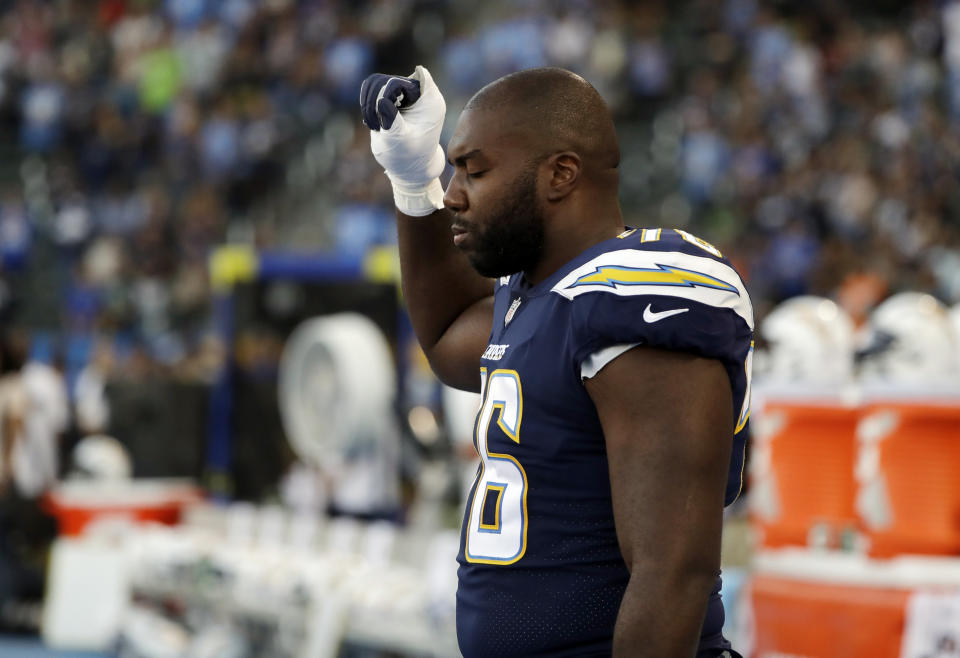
column 629, row 272
column 596, row 361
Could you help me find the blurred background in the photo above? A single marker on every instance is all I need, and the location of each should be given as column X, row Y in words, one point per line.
column 218, row 437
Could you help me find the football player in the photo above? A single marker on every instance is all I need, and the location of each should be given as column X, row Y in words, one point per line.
column 613, row 365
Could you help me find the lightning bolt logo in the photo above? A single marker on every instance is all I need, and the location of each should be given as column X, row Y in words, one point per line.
column 662, row 275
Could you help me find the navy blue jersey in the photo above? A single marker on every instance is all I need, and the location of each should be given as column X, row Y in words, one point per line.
column 540, row 569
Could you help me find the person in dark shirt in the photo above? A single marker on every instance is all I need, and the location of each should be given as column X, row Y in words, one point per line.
column 613, row 365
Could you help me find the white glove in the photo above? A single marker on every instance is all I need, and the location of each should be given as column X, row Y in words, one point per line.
column 405, row 117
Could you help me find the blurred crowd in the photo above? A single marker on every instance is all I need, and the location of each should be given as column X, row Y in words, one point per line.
column 816, row 143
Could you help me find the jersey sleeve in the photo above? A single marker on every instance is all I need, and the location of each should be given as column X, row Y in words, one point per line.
column 666, row 299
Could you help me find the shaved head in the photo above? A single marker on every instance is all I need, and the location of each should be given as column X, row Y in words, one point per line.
column 535, row 159
column 555, row 110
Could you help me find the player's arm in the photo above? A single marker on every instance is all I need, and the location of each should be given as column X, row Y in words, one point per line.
column 668, row 423
column 450, row 305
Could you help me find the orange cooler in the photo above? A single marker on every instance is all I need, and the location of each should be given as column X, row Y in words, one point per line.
column 909, row 497
column 802, row 473
column 826, row 620
column 78, row 504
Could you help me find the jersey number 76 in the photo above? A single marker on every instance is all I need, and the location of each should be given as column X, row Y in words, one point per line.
column 497, row 525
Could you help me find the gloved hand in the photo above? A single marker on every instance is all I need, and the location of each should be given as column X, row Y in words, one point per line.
column 405, row 116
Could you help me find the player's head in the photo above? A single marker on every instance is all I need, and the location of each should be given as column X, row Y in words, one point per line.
column 527, row 147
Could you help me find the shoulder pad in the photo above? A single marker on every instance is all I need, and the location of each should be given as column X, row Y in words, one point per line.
column 632, row 272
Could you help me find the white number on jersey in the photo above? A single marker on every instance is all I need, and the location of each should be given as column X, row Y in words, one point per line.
column 497, row 525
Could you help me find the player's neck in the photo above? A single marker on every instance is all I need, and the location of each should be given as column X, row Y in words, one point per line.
column 571, row 236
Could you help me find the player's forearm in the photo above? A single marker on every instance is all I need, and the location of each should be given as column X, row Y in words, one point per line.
column 438, row 281
column 405, row 116
column 662, row 612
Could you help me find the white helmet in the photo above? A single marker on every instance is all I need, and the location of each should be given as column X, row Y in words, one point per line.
column 101, row 457
column 810, row 341
column 911, row 340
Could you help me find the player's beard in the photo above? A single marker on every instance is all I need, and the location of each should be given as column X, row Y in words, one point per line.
column 512, row 236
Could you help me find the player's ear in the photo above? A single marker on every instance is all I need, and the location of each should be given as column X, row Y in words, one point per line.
column 565, row 169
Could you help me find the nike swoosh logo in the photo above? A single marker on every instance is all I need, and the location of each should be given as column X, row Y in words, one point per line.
column 649, row 315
